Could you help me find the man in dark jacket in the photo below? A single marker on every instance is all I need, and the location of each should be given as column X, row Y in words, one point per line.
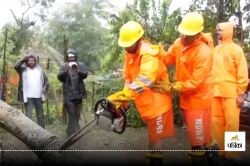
column 72, row 74
column 33, row 87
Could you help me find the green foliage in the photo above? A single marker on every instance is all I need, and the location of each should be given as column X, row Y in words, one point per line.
column 9, row 44
column 134, row 119
column 246, row 13
column 101, row 86
column 18, row 38
column 246, row 10
column 53, row 106
column 177, row 111
column 78, row 21
column 172, row 22
column 221, row 9
column 51, row 113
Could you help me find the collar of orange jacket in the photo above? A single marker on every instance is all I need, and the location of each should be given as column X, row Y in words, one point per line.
column 227, row 31
column 203, row 37
column 196, row 42
column 208, row 39
column 137, row 50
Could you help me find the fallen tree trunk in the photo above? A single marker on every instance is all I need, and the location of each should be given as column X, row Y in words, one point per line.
column 42, row 142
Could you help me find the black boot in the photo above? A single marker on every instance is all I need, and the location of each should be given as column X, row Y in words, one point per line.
column 197, row 158
column 212, row 155
column 230, row 162
column 155, row 158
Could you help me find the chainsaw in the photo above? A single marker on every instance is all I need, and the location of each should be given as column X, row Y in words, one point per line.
column 109, row 115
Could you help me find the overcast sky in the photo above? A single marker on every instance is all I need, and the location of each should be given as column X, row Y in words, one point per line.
column 6, row 5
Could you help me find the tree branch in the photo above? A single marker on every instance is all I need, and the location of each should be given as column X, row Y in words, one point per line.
column 13, row 14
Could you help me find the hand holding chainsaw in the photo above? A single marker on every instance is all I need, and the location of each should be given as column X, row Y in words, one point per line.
column 121, row 97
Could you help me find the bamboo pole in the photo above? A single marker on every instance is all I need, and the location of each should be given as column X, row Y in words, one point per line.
column 3, row 95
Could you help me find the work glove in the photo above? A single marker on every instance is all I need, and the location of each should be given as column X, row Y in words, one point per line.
column 240, row 100
column 121, row 96
column 176, row 88
column 128, row 94
column 117, row 96
column 162, row 86
column 118, row 99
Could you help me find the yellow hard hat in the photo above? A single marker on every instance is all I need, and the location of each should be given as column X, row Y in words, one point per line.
column 191, row 24
column 130, row 33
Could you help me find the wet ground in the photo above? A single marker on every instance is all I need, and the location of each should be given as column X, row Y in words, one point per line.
column 102, row 147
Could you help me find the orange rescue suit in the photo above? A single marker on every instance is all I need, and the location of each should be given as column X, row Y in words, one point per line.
column 141, row 70
column 193, row 68
column 229, row 79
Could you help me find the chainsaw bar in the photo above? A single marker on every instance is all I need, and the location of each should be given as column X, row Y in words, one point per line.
column 79, row 134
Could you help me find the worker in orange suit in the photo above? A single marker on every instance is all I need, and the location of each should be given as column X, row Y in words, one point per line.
column 207, row 39
column 229, row 83
column 191, row 53
column 142, row 68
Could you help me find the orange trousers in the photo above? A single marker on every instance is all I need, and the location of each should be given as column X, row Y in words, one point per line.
column 225, row 117
column 160, row 127
column 198, row 126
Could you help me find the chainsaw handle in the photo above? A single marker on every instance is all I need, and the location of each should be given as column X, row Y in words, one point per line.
column 123, row 111
column 104, row 103
column 108, row 105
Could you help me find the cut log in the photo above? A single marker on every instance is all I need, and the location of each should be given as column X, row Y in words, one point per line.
column 42, row 142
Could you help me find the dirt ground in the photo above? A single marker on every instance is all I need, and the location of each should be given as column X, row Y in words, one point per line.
column 102, row 147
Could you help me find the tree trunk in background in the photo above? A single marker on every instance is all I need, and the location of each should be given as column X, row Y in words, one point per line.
column 65, row 47
column 220, row 11
column 240, row 24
